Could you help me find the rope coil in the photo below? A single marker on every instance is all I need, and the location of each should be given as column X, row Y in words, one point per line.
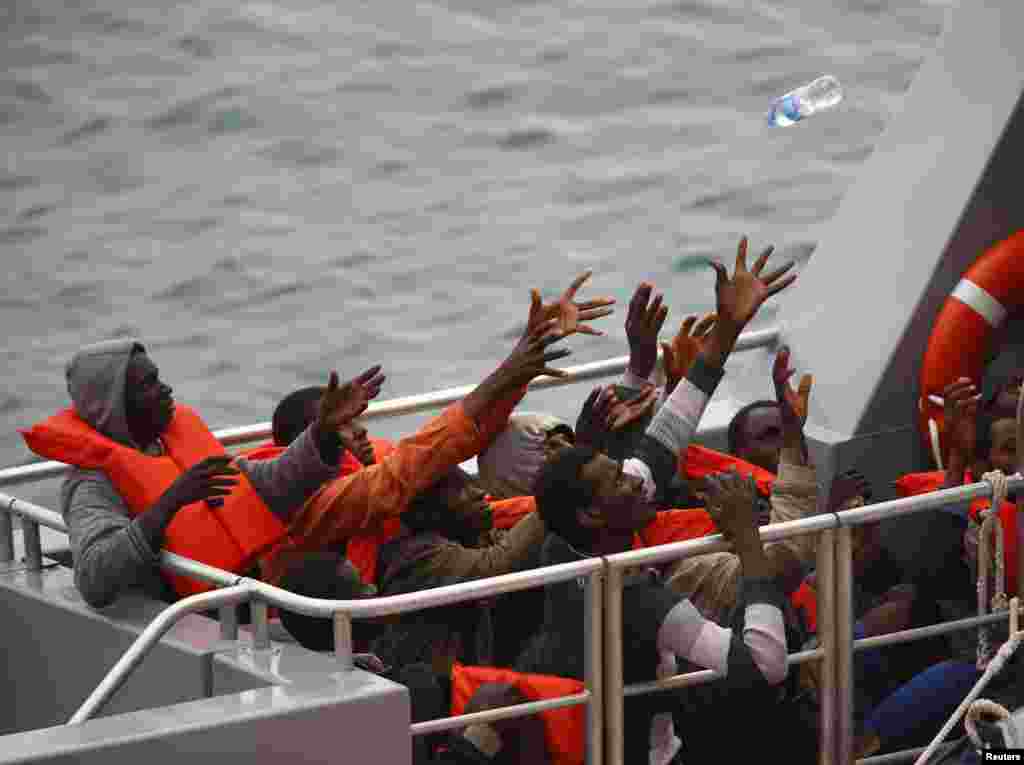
column 991, row 562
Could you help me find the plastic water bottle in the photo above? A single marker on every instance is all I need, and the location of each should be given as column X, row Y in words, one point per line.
column 824, row 93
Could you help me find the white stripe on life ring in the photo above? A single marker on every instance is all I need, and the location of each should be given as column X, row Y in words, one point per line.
column 990, row 309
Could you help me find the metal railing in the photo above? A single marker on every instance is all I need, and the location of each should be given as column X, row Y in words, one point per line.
column 604, row 692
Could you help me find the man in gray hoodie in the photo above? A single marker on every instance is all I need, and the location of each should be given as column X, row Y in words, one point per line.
column 116, row 389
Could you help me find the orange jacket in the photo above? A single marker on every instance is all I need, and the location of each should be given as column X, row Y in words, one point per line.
column 564, row 728
column 922, row 483
column 368, row 501
column 699, row 461
column 230, row 537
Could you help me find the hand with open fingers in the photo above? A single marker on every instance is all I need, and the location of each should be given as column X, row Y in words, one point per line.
column 960, row 402
column 845, row 487
column 625, row 412
column 739, row 298
column 731, row 501
column 339, row 405
column 592, row 422
column 679, row 355
column 792, row 403
column 530, row 357
column 208, row 480
column 569, row 314
column 644, row 321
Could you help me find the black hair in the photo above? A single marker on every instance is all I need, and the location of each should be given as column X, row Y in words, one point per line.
column 560, row 492
column 316, row 576
column 735, row 432
column 291, row 416
column 426, row 511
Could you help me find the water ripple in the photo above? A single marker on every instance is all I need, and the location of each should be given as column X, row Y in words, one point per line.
column 526, row 138
column 90, row 128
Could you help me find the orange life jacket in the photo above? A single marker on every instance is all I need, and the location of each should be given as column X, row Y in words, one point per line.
column 805, row 601
column 230, row 537
column 922, row 483
column 699, row 461
column 564, row 728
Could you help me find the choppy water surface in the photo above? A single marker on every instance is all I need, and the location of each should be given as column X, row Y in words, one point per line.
column 264, row 190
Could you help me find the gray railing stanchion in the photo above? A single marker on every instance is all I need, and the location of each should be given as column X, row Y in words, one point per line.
column 343, row 640
column 614, row 696
column 131, row 658
column 6, row 537
column 260, row 625
column 593, row 667
column 844, row 644
column 228, row 622
column 825, row 574
column 33, row 545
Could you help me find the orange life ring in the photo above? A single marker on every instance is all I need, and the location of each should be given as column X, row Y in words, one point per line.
column 990, row 290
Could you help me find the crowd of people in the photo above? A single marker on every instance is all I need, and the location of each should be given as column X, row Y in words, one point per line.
column 326, row 510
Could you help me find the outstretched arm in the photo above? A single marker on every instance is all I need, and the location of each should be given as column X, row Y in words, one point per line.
column 738, row 300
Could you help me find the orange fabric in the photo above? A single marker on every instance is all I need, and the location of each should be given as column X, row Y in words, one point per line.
column 230, row 537
column 675, row 526
column 961, row 338
column 699, row 461
column 349, row 464
column 361, row 503
column 805, row 599
column 564, row 728
column 922, row 483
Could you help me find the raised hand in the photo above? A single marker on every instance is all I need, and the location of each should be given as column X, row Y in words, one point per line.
column 792, row 403
column 739, row 298
column 625, row 412
column 846, row 487
column 569, row 314
column 207, row 480
column 731, row 501
column 340, row 404
column 960, row 402
column 643, row 323
column 679, row 355
column 530, row 357
column 592, row 423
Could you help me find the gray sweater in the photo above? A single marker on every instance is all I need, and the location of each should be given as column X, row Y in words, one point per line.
column 110, row 553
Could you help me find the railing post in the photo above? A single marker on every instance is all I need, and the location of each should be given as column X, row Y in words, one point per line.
column 825, row 574
column 343, row 640
column 260, row 625
column 593, row 667
column 614, row 694
column 229, row 623
column 6, row 536
column 33, row 546
column 844, row 644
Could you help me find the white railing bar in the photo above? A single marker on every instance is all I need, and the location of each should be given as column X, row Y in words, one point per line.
column 844, row 619
column 932, row 630
column 613, row 681
column 149, row 637
column 33, row 544
column 701, row 676
column 41, row 515
column 395, row 407
column 415, row 601
column 826, row 567
column 593, row 666
column 893, row 508
column 503, row 713
column 6, row 538
column 892, row 757
column 717, row 543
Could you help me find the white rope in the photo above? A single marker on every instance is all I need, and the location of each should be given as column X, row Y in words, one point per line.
column 989, row 559
column 979, row 710
column 997, row 663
